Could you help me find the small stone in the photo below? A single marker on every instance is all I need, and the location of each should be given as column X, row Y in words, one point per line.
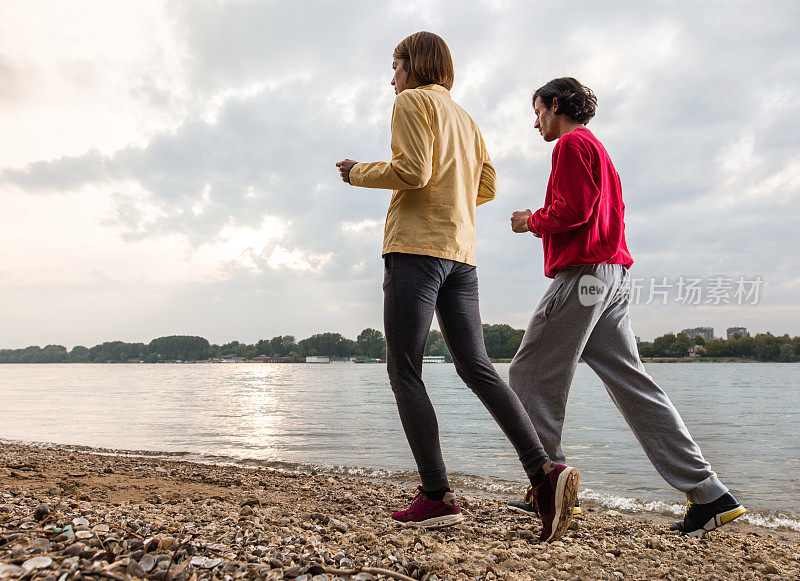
column 80, row 521
column 364, row 577
column 135, row 544
column 211, row 563
column 37, row 563
column 197, row 561
column 10, row 571
column 338, row 525
column 573, row 526
column 134, row 569
column 41, row 544
column 246, row 510
column 83, row 535
column 74, row 549
column 322, row 577
column 772, row 569
column 147, row 562
column 101, row 528
column 613, row 513
column 123, row 563
column 292, row 571
column 42, row 511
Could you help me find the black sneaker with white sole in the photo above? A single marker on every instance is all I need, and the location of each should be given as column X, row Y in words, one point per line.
column 526, row 506
column 702, row 518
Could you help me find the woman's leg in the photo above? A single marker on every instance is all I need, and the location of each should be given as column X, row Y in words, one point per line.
column 410, row 287
column 459, row 318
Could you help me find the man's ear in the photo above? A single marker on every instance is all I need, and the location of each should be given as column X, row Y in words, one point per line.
column 555, row 105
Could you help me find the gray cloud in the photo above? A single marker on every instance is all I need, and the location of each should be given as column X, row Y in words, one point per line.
column 696, row 109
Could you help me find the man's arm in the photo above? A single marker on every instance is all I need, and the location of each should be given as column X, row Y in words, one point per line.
column 412, row 152
column 574, row 194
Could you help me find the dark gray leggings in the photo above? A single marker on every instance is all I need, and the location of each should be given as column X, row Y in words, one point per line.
column 413, row 287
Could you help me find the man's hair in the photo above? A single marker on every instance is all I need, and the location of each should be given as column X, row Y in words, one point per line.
column 574, row 100
column 427, row 59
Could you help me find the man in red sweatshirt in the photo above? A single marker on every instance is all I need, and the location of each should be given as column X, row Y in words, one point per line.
column 585, row 312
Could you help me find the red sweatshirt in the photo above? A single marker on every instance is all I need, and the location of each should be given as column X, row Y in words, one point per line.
column 582, row 221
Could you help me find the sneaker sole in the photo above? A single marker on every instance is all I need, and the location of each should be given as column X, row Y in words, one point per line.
column 522, row 511
column 437, row 522
column 576, row 511
column 718, row 520
column 566, row 494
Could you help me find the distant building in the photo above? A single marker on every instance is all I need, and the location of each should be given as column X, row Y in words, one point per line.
column 262, row 359
column 318, row 359
column 706, row 333
column 742, row 331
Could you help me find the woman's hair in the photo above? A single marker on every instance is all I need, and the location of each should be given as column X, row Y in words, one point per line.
column 427, row 59
column 574, row 100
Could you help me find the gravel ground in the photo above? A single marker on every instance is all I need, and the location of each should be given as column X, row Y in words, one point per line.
column 69, row 514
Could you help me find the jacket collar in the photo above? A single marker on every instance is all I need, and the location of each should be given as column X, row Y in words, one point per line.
column 437, row 88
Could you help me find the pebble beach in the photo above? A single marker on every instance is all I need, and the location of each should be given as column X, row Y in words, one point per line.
column 73, row 513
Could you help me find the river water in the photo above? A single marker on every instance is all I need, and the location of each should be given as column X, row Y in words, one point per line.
column 342, row 417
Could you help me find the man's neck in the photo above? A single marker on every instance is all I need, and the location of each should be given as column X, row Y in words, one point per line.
column 567, row 126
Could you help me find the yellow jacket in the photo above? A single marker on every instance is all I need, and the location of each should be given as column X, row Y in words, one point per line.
column 440, row 171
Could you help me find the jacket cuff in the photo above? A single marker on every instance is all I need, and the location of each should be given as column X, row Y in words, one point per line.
column 355, row 175
column 531, row 223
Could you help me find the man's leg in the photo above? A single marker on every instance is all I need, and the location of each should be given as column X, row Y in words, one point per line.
column 544, row 365
column 612, row 353
column 411, row 284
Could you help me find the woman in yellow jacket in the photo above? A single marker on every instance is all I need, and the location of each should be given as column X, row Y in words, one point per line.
column 440, row 172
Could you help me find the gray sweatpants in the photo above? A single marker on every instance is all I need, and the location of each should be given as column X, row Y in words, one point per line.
column 585, row 314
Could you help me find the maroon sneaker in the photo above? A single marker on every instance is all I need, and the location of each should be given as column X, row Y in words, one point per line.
column 430, row 514
column 555, row 498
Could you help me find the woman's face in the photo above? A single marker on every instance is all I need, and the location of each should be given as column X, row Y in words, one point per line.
column 401, row 79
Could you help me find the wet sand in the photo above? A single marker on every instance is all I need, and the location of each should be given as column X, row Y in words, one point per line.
column 67, row 513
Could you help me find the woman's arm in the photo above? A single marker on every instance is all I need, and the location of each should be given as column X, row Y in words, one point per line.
column 412, row 151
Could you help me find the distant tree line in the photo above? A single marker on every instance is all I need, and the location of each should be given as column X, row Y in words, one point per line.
column 502, row 342
column 762, row 347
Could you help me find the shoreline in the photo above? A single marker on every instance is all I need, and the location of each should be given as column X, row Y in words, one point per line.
column 146, row 516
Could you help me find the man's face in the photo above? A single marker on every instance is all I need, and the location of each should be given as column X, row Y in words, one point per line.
column 401, row 80
column 546, row 121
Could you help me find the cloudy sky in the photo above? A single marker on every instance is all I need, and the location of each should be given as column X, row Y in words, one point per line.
column 168, row 168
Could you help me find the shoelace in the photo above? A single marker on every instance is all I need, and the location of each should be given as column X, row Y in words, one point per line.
column 417, row 500
column 529, row 496
column 688, row 508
